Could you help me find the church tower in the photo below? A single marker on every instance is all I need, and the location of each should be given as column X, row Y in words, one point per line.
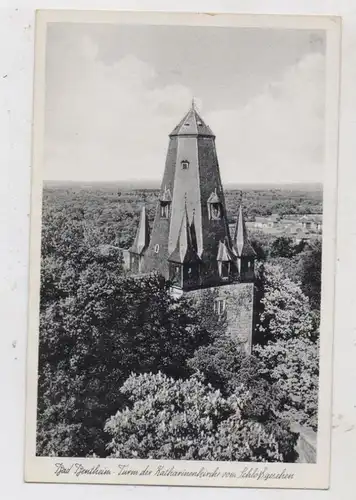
column 190, row 244
column 191, row 209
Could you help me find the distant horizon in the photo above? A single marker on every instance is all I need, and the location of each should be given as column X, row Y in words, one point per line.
column 157, row 183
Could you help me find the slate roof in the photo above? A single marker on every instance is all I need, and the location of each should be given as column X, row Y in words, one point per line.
column 192, row 124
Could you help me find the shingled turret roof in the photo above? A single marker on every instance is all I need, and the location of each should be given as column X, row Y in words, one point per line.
column 193, row 125
column 166, row 195
column 142, row 238
column 224, row 254
column 242, row 245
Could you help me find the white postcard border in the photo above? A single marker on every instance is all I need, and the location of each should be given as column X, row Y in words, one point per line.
column 268, row 475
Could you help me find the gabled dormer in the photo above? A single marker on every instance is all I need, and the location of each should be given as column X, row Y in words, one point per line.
column 215, row 206
column 165, row 203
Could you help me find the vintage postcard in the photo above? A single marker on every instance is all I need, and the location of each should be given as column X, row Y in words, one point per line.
column 182, row 249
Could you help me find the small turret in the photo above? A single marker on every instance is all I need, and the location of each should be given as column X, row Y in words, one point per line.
column 184, row 262
column 140, row 243
column 243, row 249
column 226, row 260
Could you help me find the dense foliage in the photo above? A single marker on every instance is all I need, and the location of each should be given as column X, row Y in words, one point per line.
column 114, row 211
column 288, row 345
column 186, row 419
column 97, row 326
column 117, row 349
column 292, row 367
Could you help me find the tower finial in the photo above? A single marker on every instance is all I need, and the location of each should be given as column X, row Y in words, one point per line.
column 193, row 103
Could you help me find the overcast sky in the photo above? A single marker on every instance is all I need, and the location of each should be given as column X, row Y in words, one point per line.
column 114, row 93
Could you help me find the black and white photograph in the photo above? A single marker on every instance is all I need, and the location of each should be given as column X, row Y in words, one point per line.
column 183, row 212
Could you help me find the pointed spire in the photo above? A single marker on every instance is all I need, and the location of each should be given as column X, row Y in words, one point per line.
column 192, row 125
column 241, row 242
column 184, row 251
column 142, row 238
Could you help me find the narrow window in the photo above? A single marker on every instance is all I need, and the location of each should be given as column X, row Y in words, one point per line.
column 214, row 211
column 225, row 270
column 185, row 164
column 164, row 212
column 175, row 274
column 219, row 306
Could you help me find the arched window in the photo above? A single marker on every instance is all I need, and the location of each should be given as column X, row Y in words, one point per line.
column 185, row 164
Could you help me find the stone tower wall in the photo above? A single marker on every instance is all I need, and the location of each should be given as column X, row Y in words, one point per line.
column 239, row 305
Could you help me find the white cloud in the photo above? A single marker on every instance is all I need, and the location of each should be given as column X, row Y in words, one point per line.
column 109, row 122
column 278, row 136
column 112, row 122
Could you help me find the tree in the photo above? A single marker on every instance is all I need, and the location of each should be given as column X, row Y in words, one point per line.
column 91, row 341
column 226, row 367
column 309, row 270
column 292, row 367
column 186, row 419
column 96, row 326
column 289, row 266
column 282, row 247
column 261, row 243
column 284, row 309
column 288, row 345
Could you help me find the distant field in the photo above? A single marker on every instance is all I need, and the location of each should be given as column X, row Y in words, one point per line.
column 113, row 211
column 149, row 184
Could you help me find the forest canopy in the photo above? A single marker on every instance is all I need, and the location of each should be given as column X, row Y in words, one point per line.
column 119, row 357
